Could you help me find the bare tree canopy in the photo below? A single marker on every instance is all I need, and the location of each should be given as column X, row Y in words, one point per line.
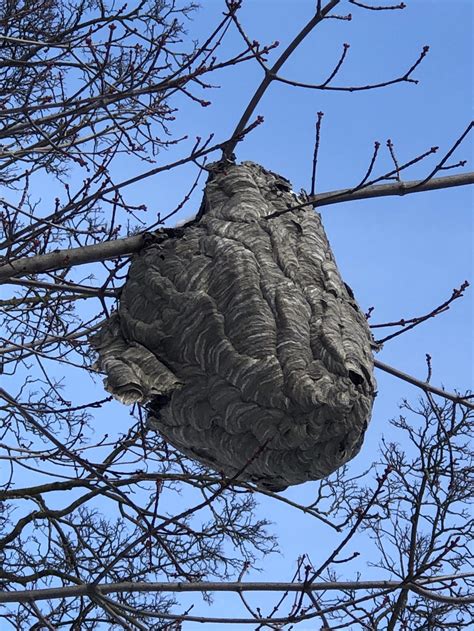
column 229, row 328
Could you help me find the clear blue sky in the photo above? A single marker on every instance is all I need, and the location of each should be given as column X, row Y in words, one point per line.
column 403, row 256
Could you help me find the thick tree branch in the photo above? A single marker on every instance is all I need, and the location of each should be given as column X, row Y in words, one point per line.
column 60, row 259
column 388, row 190
column 74, row 591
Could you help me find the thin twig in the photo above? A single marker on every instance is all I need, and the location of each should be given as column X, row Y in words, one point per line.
column 413, row 322
column 316, row 151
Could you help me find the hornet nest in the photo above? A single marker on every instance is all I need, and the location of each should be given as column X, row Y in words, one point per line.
column 239, row 334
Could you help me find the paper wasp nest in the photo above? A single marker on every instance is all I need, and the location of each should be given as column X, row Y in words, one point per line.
column 241, row 337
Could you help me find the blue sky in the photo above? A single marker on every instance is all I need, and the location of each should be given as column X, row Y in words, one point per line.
column 403, row 256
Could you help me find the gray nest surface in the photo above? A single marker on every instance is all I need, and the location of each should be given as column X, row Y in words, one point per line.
column 241, row 337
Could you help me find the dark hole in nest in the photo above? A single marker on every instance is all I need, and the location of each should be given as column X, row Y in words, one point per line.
column 356, row 379
column 157, row 403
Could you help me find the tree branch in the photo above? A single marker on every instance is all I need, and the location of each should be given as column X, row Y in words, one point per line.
column 70, row 257
column 388, row 190
column 270, row 75
column 424, row 385
column 122, row 247
column 74, row 591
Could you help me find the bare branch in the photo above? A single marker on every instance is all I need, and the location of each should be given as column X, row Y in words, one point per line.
column 424, row 385
column 127, row 587
column 270, row 75
column 129, row 245
column 411, row 323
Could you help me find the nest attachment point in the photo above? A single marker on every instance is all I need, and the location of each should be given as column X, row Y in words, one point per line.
column 239, row 334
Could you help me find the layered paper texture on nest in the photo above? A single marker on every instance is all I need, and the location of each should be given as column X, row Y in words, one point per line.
column 242, row 339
